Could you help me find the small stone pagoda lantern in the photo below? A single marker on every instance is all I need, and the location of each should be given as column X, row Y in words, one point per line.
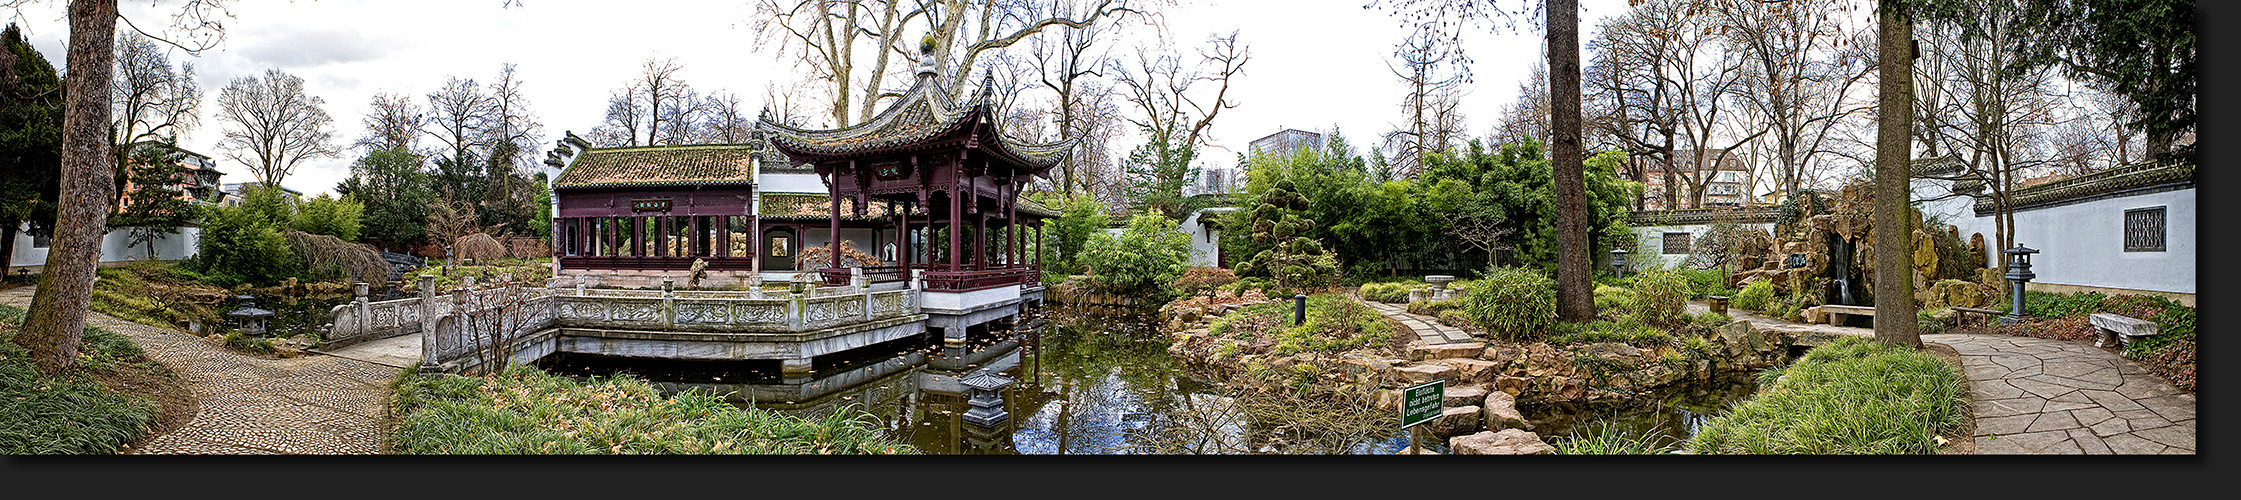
column 987, row 399
column 1618, row 262
column 249, row 318
column 2019, row 273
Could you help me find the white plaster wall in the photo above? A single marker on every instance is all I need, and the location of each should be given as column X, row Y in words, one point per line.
column 2083, row 244
column 962, row 301
column 1653, row 239
column 790, row 183
column 1205, row 244
column 114, row 247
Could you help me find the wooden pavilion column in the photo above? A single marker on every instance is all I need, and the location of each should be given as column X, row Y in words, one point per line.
column 1012, row 249
column 980, row 237
column 723, row 236
column 834, row 235
column 902, row 237
column 956, row 231
column 1039, row 249
column 637, row 237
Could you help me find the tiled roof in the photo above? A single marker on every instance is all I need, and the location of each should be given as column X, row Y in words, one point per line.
column 1759, row 214
column 924, row 112
column 1942, row 166
column 707, row 165
column 818, row 206
column 2176, row 172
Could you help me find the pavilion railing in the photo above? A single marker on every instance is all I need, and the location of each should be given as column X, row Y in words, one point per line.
column 966, row 281
column 878, row 274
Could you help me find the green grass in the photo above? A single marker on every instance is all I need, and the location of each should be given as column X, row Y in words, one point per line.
column 70, row 412
column 1629, row 331
column 526, row 411
column 1854, row 396
column 1334, row 324
column 1607, row 439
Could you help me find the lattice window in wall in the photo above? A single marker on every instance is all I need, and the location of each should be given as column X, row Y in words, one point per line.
column 2143, row 229
column 1676, row 243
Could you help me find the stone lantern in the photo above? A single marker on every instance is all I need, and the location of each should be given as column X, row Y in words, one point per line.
column 1618, row 262
column 987, row 399
column 2019, row 274
column 249, row 318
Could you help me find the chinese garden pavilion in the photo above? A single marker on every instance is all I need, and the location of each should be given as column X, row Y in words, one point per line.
column 950, row 166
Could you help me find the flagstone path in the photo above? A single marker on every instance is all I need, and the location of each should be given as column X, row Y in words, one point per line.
column 314, row 404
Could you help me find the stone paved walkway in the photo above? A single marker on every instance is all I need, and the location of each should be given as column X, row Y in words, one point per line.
column 308, row 405
column 2040, row 396
column 2052, row 397
column 1427, row 328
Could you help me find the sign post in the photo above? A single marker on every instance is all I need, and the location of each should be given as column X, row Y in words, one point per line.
column 1421, row 403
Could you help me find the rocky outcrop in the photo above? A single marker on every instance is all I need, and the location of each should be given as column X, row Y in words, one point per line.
column 1505, row 442
column 1500, row 412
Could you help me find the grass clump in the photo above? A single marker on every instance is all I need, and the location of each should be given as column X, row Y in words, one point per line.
column 1512, row 302
column 73, row 411
column 1853, row 396
column 1755, row 295
column 1659, row 296
column 1628, row 331
column 1606, row 439
column 527, row 411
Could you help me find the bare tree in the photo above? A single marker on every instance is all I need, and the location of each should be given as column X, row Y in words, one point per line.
column 1662, row 61
column 273, row 125
column 1980, row 105
column 660, row 87
column 723, row 121
column 851, row 44
column 393, row 122
column 1173, row 118
column 1803, row 66
column 1482, row 229
column 1065, row 59
column 457, row 115
column 1527, row 117
column 150, row 100
column 1432, row 104
column 625, row 115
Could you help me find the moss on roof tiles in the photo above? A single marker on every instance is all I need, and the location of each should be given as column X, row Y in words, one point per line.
column 660, row 166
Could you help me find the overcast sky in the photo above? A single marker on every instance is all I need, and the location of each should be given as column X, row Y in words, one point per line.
column 1315, row 64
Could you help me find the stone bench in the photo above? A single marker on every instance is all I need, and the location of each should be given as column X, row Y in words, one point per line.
column 1986, row 313
column 2119, row 328
column 1833, row 309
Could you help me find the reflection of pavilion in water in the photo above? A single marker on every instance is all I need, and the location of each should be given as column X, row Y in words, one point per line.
column 914, row 388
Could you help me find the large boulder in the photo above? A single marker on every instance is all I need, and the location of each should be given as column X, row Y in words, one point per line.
column 1500, row 412
column 1511, row 385
column 1504, row 442
column 1454, row 421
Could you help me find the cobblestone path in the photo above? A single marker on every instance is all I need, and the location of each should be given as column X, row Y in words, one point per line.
column 2040, row 396
column 247, row 405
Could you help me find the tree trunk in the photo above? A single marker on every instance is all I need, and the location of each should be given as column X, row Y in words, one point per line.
column 1894, row 240
column 8, row 247
column 1574, row 301
column 55, row 324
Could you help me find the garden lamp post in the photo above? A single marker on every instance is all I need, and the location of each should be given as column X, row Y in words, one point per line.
column 1299, row 309
column 249, row 318
column 1618, row 262
column 2019, row 273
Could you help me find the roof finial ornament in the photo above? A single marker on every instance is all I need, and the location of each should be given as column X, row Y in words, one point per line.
column 926, row 57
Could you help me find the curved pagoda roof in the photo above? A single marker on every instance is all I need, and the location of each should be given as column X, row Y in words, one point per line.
column 661, row 166
column 923, row 118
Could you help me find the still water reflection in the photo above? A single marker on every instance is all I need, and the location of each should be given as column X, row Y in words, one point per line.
column 1099, row 382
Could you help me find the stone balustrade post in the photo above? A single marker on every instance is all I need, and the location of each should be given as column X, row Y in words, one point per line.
column 428, row 361
column 668, row 302
column 360, row 292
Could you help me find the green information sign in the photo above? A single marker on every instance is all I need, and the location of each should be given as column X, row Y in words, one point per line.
column 1421, row 403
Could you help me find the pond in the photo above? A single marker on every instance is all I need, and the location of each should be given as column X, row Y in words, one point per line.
column 297, row 314
column 1102, row 384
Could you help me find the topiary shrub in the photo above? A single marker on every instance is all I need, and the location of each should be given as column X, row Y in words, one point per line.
column 1390, row 293
column 1515, row 303
column 1755, row 295
column 1660, row 295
